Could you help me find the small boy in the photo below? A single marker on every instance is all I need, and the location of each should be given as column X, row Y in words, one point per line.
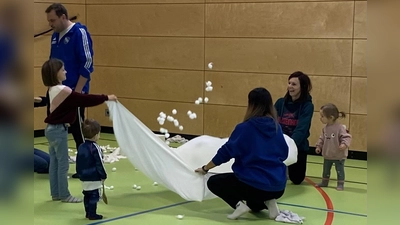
column 89, row 166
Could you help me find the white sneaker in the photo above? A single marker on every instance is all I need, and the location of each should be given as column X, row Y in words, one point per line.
column 273, row 209
column 241, row 208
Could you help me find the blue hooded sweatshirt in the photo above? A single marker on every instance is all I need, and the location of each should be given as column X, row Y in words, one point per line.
column 76, row 51
column 259, row 149
column 295, row 119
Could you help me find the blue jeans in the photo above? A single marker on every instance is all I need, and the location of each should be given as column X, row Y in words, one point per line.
column 57, row 135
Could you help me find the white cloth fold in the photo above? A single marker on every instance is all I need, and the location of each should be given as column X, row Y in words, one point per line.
column 172, row 168
column 287, row 216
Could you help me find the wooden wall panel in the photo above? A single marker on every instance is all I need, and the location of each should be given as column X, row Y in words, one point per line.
column 359, row 95
column 116, row 2
column 39, row 114
column 360, row 58
column 39, row 88
column 261, row 1
column 147, row 20
column 151, row 84
column 232, row 88
column 149, row 52
column 313, row 56
column 334, row 90
column 220, row 120
column 63, row 1
column 322, row 20
column 360, row 20
column 358, row 129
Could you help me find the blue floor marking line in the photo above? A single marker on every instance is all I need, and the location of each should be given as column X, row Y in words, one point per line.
column 321, row 209
column 138, row 213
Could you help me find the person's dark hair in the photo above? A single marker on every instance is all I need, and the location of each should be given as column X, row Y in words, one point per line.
column 58, row 8
column 260, row 104
column 305, row 85
column 330, row 110
column 50, row 70
column 90, row 128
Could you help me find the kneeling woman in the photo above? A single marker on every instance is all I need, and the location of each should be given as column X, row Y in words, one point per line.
column 259, row 149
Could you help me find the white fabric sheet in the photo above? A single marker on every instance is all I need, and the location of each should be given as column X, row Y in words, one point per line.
column 172, row 168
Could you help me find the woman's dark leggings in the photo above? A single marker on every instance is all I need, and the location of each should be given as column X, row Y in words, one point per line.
column 297, row 171
column 231, row 190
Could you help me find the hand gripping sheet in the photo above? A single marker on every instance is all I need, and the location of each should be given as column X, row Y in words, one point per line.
column 172, row 168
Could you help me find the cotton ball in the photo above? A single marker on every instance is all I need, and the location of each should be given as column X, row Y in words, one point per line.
column 76, row 153
column 138, row 188
column 111, row 187
column 189, row 112
column 163, row 115
column 161, row 122
column 162, row 130
column 200, row 99
column 166, row 135
column 114, row 169
column 134, row 186
column 193, row 116
column 209, row 88
column 208, row 83
column 67, row 177
column 179, row 217
column 174, row 111
column 210, row 65
column 155, row 183
column 205, row 100
column 70, row 150
column 197, row 102
column 176, row 122
column 180, row 127
column 170, row 118
column 167, row 142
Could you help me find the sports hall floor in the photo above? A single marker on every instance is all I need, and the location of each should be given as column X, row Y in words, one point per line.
column 157, row 205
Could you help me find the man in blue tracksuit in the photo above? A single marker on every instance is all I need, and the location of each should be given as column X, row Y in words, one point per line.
column 71, row 43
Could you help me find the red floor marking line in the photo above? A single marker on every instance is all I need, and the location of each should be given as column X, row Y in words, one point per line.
column 329, row 204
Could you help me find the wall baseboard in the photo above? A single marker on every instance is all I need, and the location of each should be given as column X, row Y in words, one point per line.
column 357, row 155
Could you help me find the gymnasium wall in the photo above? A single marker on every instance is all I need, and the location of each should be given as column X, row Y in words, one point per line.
column 153, row 55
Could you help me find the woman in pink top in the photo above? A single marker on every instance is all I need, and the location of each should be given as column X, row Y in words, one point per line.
column 334, row 143
column 62, row 104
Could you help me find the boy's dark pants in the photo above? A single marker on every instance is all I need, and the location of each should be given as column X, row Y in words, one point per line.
column 90, row 200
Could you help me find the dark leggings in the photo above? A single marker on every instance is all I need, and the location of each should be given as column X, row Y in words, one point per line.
column 339, row 166
column 231, row 190
column 76, row 129
column 297, row 171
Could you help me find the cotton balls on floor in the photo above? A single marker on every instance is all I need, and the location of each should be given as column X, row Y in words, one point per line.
column 114, row 169
column 137, row 187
